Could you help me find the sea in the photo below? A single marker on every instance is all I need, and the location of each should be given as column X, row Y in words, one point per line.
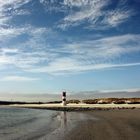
column 37, row 124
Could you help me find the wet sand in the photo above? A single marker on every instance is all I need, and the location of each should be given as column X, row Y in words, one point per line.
column 111, row 125
column 102, row 122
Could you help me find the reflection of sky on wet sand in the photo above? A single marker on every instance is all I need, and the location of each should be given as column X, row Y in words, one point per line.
column 62, row 117
column 68, row 120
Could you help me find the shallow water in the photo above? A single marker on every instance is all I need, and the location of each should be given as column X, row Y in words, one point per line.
column 24, row 124
column 34, row 124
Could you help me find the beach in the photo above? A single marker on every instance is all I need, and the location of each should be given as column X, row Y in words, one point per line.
column 77, row 107
column 37, row 124
column 111, row 125
column 100, row 123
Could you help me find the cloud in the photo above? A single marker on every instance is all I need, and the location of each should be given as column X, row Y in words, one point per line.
column 89, row 11
column 70, row 68
column 4, row 60
column 117, row 17
column 40, row 53
column 8, row 8
column 95, row 14
column 122, row 90
column 21, row 59
column 7, row 34
column 8, row 50
column 92, row 55
column 18, row 54
column 76, row 56
column 18, row 78
column 104, row 47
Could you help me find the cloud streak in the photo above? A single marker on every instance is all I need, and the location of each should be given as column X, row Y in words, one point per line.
column 95, row 14
column 18, row 79
column 79, row 56
column 39, row 53
column 9, row 8
column 69, row 67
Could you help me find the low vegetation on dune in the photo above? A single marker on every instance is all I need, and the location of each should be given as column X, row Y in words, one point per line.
column 90, row 101
column 87, row 101
column 74, row 101
column 112, row 100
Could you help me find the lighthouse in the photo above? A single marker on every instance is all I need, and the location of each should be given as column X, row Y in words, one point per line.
column 64, row 98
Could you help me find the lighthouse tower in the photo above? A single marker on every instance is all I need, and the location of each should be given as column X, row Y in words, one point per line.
column 64, row 98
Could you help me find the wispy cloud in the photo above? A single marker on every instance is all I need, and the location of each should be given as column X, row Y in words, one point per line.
column 70, row 57
column 12, row 32
column 92, row 12
column 8, row 8
column 95, row 14
column 91, row 55
column 121, row 90
column 37, row 54
column 69, row 67
column 117, row 17
column 9, row 33
column 18, row 54
column 75, row 56
column 88, row 11
column 18, row 78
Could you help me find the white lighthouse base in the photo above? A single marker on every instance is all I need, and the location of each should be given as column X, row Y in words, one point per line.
column 63, row 103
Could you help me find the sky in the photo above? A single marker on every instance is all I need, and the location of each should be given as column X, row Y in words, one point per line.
column 47, row 46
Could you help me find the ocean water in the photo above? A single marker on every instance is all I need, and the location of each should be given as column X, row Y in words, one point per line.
column 26, row 124
column 35, row 124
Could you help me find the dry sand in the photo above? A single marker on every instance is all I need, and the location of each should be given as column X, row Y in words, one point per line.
column 81, row 105
column 112, row 125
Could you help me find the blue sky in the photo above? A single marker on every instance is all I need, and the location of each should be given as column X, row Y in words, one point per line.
column 77, row 45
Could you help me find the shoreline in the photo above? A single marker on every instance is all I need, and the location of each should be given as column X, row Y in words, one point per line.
column 78, row 107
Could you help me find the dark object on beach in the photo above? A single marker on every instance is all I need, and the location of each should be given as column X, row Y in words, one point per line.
column 10, row 102
column 18, row 102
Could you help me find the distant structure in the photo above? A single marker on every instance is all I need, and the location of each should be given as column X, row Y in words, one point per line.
column 64, row 98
